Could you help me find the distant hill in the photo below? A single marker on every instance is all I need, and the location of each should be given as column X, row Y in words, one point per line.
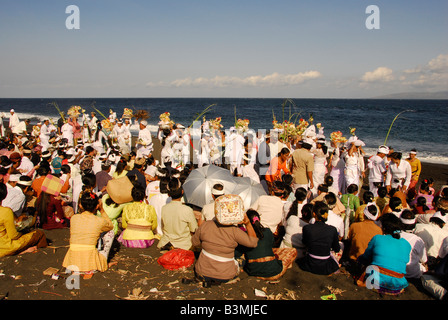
column 416, row 95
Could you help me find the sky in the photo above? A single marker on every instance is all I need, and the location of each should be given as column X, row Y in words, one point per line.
column 208, row 48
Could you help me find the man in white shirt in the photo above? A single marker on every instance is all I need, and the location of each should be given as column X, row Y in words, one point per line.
column 15, row 200
column 270, row 209
column 22, row 127
column 433, row 234
column 123, row 135
column 13, row 121
column 26, row 165
column 44, row 135
column 144, row 143
column 377, row 168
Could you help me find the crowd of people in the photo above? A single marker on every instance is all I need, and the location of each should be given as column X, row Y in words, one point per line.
column 326, row 203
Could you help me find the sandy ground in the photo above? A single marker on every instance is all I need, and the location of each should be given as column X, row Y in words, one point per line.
column 136, row 275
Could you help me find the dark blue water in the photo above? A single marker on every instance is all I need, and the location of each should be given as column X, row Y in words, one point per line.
column 423, row 125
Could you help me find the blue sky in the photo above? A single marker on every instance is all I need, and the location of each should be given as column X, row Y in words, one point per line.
column 296, row 49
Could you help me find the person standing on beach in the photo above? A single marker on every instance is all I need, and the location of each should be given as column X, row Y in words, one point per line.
column 377, row 169
column 302, row 167
column 399, row 173
column 44, row 135
column 144, row 142
column 13, row 121
column 416, row 168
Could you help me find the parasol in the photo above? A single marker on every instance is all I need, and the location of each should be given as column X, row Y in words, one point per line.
column 249, row 190
column 198, row 186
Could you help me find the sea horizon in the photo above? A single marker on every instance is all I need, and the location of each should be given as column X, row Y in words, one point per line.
column 416, row 127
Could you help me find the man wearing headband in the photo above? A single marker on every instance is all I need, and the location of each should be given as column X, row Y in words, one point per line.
column 15, row 199
column 208, row 211
column 360, row 233
column 377, row 169
column 433, row 233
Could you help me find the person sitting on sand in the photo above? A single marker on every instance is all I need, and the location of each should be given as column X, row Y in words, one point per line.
column 216, row 262
column 178, row 220
column 385, row 259
column 418, row 258
column 11, row 241
column 86, row 229
column 139, row 219
column 264, row 261
column 320, row 239
column 362, row 231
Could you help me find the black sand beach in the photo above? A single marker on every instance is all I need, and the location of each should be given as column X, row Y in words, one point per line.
column 136, row 275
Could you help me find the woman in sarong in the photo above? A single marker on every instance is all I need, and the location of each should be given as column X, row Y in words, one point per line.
column 13, row 242
column 386, row 258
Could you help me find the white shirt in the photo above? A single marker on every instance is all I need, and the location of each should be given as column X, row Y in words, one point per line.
column 433, row 237
column 336, row 221
column 270, row 209
column 158, row 201
column 25, row 165
column 15, row 199
column 402, row 171
column 414, row 268
column 376, row 167
column 13, row 122
column 144, row 137
column 67, row 133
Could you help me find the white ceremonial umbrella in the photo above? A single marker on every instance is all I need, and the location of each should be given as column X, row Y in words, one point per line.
column 249, row 190
column 198, row 186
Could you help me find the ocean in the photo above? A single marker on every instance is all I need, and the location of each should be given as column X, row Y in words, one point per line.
column 422, row 124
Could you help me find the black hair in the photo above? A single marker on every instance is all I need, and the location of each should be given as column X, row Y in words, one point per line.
column 421, row 202
column 307, row 211
column 330, row 200
column 121, row 165
column 163, row 184
column 322, row 188
column 287, row 179
column 110, row 202
column 329, row 181
column 254, row 219
column 3, row 191
column 89, row 180
column 396, row 155
column 138, row 193
column 320, row 209
column 352, row 188
column 89, row 201
column 438, row 221
column 368, row 197
column 391, row 224
column 283, row 151
column 300, row 195
column 407, row 214
column 89, row 149
column 424, row 186
column 382, row 192
column 175, row 190
column 394, row 203
column 43, row 171
column 65, row 168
